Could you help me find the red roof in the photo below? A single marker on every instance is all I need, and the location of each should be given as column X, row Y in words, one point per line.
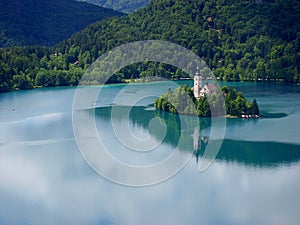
column 211, row 87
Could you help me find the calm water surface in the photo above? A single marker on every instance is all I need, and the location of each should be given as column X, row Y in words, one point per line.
column 255, row 178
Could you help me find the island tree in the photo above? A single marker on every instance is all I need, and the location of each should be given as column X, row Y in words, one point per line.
column 182, row 101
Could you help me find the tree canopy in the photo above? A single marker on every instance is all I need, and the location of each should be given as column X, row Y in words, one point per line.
column 40, row 22
column 126, row 6
column 182, row 101
column 240, row 40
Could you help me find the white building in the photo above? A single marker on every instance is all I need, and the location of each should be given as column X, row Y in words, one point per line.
column 197, row 83
column 199, row 91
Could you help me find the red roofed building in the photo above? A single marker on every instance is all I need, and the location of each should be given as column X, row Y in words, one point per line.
column 208, row 89
column 199, row 91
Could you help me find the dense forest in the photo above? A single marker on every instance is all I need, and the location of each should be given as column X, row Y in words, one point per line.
column 182, row 101
column 238, row 39
column 40, row 22
column 126, row 6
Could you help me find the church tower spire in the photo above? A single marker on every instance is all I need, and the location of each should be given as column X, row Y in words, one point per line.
column 197, row 83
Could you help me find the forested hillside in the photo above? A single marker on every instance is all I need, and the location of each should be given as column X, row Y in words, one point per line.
column 126, row 6
column 40, row 22
column 238, row 39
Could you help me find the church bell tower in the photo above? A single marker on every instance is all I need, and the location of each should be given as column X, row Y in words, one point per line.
column 197, row 83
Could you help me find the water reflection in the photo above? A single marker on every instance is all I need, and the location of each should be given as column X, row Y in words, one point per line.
column 51, row 184
column 200, row 144
column 249, row 153
column 44, row 180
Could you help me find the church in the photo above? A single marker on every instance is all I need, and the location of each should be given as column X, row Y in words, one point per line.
column 200, row 91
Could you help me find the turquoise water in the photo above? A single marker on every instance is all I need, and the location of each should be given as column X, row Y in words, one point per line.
column 254, row 179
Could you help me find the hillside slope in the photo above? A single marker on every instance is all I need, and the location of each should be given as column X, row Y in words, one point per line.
column 41, row 22
column 238, row 39
column 126, row 6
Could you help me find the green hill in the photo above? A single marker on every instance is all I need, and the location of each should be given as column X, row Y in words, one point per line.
column 126, row 6
column 238, row 39
column 40, row 22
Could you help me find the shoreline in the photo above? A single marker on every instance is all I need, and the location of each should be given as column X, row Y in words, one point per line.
column 140, row 81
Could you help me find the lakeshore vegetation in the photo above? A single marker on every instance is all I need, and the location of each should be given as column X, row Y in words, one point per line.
column 240, row 40
column 182, row 101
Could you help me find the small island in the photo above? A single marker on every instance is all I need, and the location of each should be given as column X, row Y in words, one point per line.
column 199, row 100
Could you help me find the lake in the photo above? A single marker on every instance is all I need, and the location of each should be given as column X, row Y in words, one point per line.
column 44, row 179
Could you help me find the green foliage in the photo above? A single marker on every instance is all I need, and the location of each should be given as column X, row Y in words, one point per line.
column 22, row 82
column 237, row 105
column 238, row 39
column 202, row 106
column 126, row 6
column 182, row 101
column 40, row 22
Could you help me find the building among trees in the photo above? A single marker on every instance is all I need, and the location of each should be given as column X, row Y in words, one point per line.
column 200, row 100
column 200, row 91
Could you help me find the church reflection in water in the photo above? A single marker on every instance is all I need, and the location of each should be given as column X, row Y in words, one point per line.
column 189, row 138
column 200, row 143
